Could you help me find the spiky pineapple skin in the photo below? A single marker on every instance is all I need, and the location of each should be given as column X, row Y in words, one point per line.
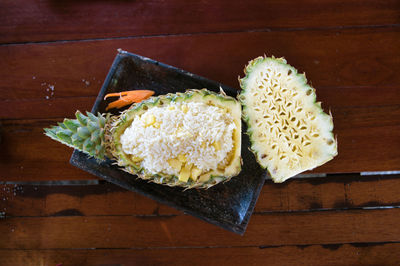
column 124, row 120
column 301, row 79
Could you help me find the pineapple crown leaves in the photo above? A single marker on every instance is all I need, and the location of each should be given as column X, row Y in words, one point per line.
column 85, row 133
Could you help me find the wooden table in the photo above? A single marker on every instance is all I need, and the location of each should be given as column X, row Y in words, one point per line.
column 54, row 58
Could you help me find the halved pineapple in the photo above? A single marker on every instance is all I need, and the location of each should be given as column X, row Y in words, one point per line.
column 190, row 139
column 288, row 129
column 181, row 137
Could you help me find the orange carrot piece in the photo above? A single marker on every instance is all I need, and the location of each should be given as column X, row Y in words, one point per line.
column 131, row 97
column 115, row 94
column 140, row 93
column 121, row 102
column 117, row 104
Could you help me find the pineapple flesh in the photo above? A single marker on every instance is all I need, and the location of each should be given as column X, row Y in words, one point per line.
column 191, row 139
column 289, row 131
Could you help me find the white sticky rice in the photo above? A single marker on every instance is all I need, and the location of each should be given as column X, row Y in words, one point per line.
column 193, row 134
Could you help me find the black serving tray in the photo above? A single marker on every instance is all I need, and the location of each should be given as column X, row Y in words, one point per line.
column 228, row 205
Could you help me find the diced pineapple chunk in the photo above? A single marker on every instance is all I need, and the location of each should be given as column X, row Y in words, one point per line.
column 195, row 173
column 185, row 173
column 136, row 159
column 204, row 178
column 184, row 108
column 182, row 158
column 171, row 107
column 176, row 164
column 203, row 145
column 221, row 166
column 149, row 120
column 217, row 145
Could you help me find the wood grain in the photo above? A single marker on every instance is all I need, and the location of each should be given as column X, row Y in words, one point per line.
column 27, row 154
column 361, row 125
column 55, row 56
column 383, row 110
column 344, row 65
column 35, row 20
column 345, row 192
column 366, row 143
column 347, row 254
column 304, row 228
column 59, row 107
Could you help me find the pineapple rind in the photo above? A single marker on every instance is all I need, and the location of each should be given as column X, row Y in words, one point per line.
column 265, row 155
column 216, row 176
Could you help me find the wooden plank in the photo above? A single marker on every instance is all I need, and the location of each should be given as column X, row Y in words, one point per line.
column 86, row 200
column 347, row 191
column 28, row 155
column 304, row 228
column 384, row 109
column 35, row 20
column 332, row 60
column 358, row 150
column 41, row 108
column 106, row 199
column 347, row 254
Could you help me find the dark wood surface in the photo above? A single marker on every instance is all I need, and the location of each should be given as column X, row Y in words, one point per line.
column 54, row 58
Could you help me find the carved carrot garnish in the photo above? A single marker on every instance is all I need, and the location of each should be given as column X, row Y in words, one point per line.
column 127, row 97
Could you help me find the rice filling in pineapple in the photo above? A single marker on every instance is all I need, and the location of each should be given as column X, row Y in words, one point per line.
column 168, row 139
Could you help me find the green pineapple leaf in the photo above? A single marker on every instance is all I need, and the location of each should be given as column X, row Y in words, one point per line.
column 85, row 133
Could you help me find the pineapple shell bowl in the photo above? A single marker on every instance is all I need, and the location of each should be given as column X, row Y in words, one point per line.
column 190, row 139
column 197, row 185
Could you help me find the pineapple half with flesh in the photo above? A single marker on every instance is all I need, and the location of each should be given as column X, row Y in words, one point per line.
column 191, row 139
column 289, row 131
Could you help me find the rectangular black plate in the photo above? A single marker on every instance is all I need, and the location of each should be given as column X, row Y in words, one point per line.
column 228, row 205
